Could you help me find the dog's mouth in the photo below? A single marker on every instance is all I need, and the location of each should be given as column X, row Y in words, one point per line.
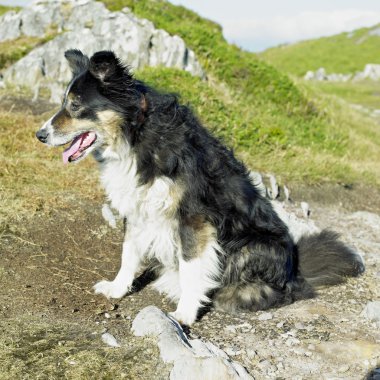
column 78, row 147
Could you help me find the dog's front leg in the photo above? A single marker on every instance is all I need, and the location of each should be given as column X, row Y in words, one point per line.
column 197, row 277
column 130, row 265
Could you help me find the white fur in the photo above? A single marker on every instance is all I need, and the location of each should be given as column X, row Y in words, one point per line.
column 153, row 232
column 197, row 277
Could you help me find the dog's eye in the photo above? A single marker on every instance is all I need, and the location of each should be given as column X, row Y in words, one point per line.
column 75, row 106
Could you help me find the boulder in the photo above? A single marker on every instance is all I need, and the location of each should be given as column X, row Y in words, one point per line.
column 89, row 26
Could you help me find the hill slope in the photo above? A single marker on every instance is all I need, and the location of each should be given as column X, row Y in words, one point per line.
column 274, row 124
column 343, row 53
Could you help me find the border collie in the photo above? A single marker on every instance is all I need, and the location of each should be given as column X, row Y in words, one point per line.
column 190, row 207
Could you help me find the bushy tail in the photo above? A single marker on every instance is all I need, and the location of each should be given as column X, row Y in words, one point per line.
column 325, row 260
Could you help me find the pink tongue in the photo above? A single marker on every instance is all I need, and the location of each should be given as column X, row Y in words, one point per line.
column 82, row 141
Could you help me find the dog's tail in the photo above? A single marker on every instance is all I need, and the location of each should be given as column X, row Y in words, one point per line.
column 324, row 260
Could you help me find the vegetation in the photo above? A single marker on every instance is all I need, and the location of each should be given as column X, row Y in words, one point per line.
column 273, row 123
column 365, row 93
column 4, row 9
column 13, row 50
column 343, row 53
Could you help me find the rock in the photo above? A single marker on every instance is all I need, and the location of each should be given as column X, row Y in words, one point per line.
column 274, row 189
column 89, row 26
column 257, row 180
column 109, row 339
column 265, row 317
column 192, row 359
column 297, row 226
column 372, row 311
column 371, row 71
column 305, row 209
column 320, row 74
column 309, row 75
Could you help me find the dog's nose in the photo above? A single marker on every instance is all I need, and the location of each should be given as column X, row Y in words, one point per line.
column 42, row 135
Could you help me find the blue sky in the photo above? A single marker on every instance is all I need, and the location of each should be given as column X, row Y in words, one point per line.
column 259, row 24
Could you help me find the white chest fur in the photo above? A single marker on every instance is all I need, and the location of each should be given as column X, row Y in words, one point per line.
column 150, row 209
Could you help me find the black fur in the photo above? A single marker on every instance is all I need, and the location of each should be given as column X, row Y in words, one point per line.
column 261, row 266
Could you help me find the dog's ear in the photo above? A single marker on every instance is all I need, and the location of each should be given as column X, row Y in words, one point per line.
column 105, row 66
column 78, row 62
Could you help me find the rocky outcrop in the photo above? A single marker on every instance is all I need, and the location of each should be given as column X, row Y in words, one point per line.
column 192, row 359
column 87, row 25
column 371, row 71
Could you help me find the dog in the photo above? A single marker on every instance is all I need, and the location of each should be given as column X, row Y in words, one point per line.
column 191, row 210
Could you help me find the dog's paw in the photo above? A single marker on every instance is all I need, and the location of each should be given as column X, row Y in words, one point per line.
column 111, row 289
column 186, row 320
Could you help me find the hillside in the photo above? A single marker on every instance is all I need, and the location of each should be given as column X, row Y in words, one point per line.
column 274, row 124
column 55, row 241
column 343, row 53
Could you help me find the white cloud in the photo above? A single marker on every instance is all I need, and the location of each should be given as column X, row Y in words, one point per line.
column 304, row 25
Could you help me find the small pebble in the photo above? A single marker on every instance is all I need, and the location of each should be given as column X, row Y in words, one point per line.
column 343, row 368
column 265, row 317
column 109, row 339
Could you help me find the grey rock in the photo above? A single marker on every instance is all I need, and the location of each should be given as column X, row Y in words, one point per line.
column 320, row 74
column 297, row 227
column 90, row 27
column 374, row 32
column 110, row 340
column 265, row 316
column 371, row 71
column 372, row 311
column 192, row 359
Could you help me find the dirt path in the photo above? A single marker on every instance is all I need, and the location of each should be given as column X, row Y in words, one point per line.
column 51, row 322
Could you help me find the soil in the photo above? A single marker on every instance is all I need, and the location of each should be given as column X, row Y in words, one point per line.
column 51, row 322
column 49, row 313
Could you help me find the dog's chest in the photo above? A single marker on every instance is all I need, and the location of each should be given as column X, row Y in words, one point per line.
column 150, row 209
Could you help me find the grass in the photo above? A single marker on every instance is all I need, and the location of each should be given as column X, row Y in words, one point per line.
column 33, row 177
column 303, row 136
column 50, row 349
column 365, row 93
column 4, row 9
column 13, row 50
column 343, row 53
column 259, row 111
column 327, row 157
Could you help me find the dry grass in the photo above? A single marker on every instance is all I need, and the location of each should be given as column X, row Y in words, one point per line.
column 33, row 177
column 32, row 349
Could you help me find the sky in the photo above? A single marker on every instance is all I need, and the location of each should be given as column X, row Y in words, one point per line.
column 258, row 24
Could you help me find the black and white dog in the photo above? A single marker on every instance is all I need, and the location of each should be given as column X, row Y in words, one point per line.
column 191, row 210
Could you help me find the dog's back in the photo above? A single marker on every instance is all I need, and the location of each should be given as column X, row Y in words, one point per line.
column 189, row 203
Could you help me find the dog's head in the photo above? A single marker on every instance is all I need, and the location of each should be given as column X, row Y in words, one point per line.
column 100, row 99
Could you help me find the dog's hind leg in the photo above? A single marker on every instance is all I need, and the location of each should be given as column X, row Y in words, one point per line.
column 131, row 260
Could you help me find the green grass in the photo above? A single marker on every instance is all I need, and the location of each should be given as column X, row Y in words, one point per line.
column 365, row 93
column 4, row 9
column 320, row 152
column 342, row 53
column 274, row 124
column 13, row 50
column 256, row 109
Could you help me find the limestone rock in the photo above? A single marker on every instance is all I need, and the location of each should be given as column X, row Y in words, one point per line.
column 87, row 25
column 192, row 359
column 372, row 311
